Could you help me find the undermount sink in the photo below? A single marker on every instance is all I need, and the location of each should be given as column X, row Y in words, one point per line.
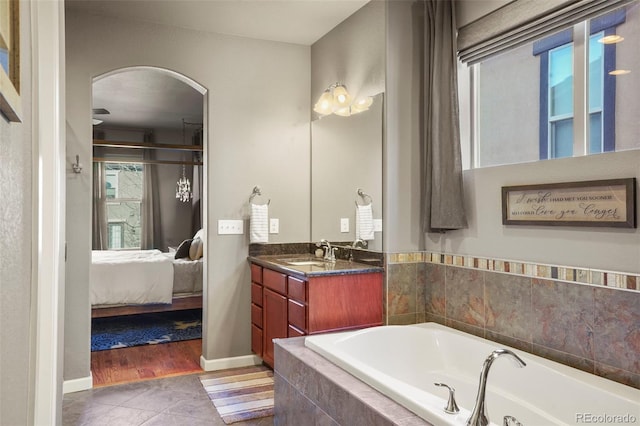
column 306, row 263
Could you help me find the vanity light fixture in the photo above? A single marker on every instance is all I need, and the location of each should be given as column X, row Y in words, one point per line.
column 336, row 100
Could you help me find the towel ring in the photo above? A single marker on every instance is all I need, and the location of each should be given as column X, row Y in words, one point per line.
column 257, row 191
column 364, row 196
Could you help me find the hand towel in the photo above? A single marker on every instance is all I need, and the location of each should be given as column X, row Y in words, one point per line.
column 364, row 222
column 259, row 223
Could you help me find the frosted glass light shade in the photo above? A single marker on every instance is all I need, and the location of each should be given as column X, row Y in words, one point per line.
column 361, row 105
column 341, row 97
column 324, row 105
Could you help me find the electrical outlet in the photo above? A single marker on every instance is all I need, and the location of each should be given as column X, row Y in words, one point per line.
column 227, row 226
column 344, row 224
column 274, row 226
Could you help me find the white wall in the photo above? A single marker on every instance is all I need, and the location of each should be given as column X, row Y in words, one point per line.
column 252, row 140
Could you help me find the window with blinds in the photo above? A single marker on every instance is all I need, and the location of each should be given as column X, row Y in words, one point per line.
column 564, row 93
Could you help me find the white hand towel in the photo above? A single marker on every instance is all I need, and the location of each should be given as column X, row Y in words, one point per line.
column 364, row 222
column 259, row 223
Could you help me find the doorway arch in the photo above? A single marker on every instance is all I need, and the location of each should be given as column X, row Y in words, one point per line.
column 197, row 87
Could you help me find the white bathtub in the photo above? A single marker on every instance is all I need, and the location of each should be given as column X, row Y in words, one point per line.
column 403, row 362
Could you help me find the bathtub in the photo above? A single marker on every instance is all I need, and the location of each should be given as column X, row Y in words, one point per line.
column 404, row 362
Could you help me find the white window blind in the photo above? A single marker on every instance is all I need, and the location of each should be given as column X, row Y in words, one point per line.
column 523, row 21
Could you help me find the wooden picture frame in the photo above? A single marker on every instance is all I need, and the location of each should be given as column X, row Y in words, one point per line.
column 10, row 103
column 602, row 203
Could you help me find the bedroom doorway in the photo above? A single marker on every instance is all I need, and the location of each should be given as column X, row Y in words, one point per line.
column 148, row 264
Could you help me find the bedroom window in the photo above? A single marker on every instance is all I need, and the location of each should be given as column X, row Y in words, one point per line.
column 124, row 190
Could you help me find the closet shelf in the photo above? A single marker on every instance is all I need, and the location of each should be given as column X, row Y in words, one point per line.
column 146, row 145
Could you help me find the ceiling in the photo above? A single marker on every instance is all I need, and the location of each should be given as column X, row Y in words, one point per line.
column 141, row 98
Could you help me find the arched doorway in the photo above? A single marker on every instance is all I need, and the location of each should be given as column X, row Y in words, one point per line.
column 150, row 151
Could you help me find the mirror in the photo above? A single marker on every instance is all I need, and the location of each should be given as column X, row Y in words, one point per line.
column 346, row 155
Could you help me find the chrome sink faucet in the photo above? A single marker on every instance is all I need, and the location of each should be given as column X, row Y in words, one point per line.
column 329, row 253
column 479, row 415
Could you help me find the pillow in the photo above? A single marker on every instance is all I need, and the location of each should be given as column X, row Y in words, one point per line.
column 199, row 234
column 196, row 249
column 183, row 249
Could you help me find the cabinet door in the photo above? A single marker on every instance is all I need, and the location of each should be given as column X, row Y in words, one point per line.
column 274, row 324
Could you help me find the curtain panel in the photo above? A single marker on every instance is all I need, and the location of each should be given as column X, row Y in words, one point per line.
column 99, row 211
column 442, row 201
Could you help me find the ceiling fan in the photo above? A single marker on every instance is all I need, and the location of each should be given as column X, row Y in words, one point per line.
column 99, row 111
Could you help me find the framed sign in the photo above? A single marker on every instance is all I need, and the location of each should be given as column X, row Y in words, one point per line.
column 591, row 203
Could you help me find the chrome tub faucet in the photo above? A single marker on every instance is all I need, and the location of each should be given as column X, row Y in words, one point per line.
column 479, row 415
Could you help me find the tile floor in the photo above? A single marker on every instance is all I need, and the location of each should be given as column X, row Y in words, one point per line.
column 171, row 401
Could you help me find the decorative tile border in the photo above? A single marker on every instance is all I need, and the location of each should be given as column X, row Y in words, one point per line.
column 563, row 273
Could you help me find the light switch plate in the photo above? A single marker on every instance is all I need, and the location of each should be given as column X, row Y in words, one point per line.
column 230, row 226
column 274, row 225
column 344, row 224
column 377, row 225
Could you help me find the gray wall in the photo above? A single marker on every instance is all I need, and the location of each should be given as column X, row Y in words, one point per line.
column 16, row 233
column 251, row 142
column 352, row 53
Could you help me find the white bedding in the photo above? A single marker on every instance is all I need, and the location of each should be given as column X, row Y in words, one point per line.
column 130, row 277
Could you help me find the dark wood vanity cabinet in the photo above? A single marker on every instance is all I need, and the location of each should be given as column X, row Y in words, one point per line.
column 284, row 305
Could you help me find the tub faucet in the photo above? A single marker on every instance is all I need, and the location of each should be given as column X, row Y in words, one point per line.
column 479, row 415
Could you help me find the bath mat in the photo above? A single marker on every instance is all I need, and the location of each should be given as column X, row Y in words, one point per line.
column 145, row 329
column 241, row 394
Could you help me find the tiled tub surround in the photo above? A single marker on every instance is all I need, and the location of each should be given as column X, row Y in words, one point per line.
column 590, row 327
column 310, row 390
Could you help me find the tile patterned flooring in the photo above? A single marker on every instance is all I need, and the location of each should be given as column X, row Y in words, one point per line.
column 171, row 401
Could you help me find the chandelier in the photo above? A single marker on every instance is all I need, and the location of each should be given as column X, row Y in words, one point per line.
column 183, row 188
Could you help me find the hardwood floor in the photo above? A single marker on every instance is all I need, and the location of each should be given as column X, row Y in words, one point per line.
column 125, row 365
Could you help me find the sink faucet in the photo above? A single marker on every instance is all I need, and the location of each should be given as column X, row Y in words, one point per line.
column 479, row 415
column 329, row 254
column 360, row 241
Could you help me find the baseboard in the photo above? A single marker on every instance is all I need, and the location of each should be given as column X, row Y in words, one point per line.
column 77, row 385
column 224, row 363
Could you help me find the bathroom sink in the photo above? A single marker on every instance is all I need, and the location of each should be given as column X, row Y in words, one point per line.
column 306, row 263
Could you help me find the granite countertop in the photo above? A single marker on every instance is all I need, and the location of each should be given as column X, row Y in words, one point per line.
column 307, row 265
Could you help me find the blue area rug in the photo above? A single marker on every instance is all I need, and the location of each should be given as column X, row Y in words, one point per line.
column 145, row 329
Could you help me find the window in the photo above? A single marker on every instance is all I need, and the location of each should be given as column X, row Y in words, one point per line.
column 556, row 55
column 124, row 191
column 522, row 102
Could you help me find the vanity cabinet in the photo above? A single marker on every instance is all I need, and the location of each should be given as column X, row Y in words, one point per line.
column 288, row 305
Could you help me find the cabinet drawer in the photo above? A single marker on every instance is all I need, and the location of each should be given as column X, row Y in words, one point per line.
column 274, row 280
column 256, row 273
column 297, row 289
column 256, row 294
column 256, row 340
column 297, row 315
column 256, row 315
column 294, row 332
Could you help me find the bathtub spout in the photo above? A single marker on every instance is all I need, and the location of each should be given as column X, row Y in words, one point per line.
column 479, row 415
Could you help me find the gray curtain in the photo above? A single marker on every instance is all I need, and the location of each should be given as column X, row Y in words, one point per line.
column 99, row 213
column 442, row 197
column 151, row 226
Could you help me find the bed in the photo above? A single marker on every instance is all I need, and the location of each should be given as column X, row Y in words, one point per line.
column 136, row 281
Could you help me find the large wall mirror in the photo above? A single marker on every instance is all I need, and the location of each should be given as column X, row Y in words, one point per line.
column 346, row 156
